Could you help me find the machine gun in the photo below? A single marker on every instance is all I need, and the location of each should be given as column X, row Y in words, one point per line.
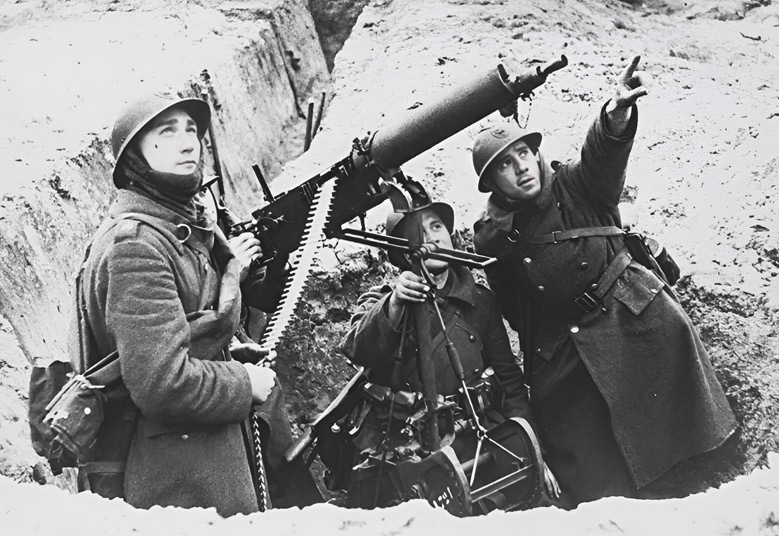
column 293, row 224
column 296, row 221
column 374, row 162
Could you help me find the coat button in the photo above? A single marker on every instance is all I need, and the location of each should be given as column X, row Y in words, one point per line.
column 584, row 265
column 527, row 260
column 471, row 338
column 541, row 288
column 574, row 329
column 653, row 290
column 594, row 286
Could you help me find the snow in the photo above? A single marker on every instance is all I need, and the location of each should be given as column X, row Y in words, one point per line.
column 748, row 505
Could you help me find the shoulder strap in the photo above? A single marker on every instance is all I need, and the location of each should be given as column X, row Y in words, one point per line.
column 161, row 226
column 106, row 369
column 572, row 234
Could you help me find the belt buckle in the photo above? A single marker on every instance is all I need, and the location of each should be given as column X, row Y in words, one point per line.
column 587, row 302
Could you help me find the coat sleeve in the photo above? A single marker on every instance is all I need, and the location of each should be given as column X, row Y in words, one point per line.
column 599, row 174
column 498, row 354
column 490, row 239
column 145, row 317
column 371, row 340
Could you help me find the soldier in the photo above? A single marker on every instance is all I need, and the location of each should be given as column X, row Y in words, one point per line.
column 161, row 287
column 382, row 338
column 621, row 386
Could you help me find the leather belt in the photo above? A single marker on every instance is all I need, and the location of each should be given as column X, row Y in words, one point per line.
column 588, row 301
column 572, row 234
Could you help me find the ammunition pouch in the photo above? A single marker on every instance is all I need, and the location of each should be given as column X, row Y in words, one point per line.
column 75, row 416
column 83, row 420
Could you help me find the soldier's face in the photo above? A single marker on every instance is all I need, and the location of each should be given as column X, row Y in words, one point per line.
column 434, row 231
column 170, row 143
column 516, row 173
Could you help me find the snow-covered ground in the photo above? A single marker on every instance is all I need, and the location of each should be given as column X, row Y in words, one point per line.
column 748, row 506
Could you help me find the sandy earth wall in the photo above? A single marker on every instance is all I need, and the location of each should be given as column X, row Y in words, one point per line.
column 260, row 62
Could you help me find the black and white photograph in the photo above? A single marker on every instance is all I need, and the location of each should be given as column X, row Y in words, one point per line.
column 389, row 267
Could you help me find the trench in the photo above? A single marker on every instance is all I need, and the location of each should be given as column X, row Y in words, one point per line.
column 257, row 63
column 259, row 90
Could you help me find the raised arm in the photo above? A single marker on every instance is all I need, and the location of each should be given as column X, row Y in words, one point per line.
column 600, row 172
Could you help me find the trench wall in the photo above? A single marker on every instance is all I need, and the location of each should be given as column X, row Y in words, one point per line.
column 258, row 61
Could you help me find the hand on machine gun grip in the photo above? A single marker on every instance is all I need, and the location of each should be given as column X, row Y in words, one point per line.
column 246, row 248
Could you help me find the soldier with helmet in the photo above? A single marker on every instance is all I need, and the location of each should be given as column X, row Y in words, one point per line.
column 161, row 285
column 621, row 387
column 384, row 340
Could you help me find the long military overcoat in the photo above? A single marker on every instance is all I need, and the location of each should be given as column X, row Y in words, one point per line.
column 165, row 294
column 663, row 402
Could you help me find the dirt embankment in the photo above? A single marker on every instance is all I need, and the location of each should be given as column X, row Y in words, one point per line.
column 67, row 69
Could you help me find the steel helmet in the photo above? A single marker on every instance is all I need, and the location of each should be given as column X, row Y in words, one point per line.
column 493, row 140
column 138, row 113
column 396, row 226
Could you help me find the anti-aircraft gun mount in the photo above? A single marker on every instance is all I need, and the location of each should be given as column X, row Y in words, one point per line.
column 510, row 472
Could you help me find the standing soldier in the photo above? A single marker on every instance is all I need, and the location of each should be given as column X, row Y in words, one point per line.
column 621, row 387
column 160, row 286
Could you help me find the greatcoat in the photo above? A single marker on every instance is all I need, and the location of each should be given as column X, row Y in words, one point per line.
column 622, row 393
column 165, row 294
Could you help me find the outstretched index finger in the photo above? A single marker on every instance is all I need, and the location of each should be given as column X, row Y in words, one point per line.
column 627, row 74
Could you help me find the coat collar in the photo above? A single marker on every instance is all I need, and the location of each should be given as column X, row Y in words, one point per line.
column 460, row 285
column 175, row 227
